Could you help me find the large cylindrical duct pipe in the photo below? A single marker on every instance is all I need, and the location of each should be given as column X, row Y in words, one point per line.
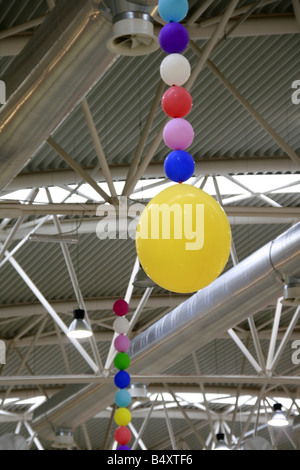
column 245, row 289
column 65, row 57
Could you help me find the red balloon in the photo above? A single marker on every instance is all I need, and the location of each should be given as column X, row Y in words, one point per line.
column 123, row 435
column 176, row 102
column 120, row 307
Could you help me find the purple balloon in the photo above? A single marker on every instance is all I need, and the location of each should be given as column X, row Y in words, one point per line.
column 178, row 134
column 122, row 343
column 124, row 448
column 173, row 38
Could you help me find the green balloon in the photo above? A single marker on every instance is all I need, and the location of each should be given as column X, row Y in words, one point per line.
column 122, row 361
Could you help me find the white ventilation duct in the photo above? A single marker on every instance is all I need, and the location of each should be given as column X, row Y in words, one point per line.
column 133, row 32
column 65, row 57
column 254, row 284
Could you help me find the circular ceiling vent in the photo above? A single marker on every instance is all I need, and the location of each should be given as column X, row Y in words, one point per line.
column 133, row 34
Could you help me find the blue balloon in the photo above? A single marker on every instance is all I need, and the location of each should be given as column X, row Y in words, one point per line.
column 122, row 398
column 173, row 10
column 179, row 166
column 122, row 379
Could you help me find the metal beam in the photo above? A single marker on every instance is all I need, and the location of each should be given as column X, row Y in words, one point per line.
column 52, row 312
column 42, row 96
column 212, row 166
column 15, row 210
column 151, row 379
column 77, row 168
column 276, row 137
column 99, row 149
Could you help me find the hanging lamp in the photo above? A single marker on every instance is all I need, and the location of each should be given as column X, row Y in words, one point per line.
column 221, row 444
column 79, row 328
column 278, row 418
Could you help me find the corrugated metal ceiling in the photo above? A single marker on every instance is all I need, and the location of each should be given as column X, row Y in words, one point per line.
column 262, row 68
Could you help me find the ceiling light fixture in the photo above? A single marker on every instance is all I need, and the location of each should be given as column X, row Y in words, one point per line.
column 221, row 444
column 79, row 328
column 278, row 418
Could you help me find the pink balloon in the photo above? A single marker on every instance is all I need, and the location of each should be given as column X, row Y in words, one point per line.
column 178, row 134
column 121, row 343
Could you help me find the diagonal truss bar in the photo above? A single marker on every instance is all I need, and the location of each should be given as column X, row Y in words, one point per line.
column 77, row 168
column 136, row 435
column 257, row 344
column 169, row 426
column 74, row 280
column 99, row 149
column 250, row 319
column 32, row 195
column 186, row 417
column 276, row 137
column 199, row 12
column 285, row 339
column 274, row 334
column 207, row 409
column 144, row 136
column 253, row 193
column 239, row 11
column 144, row 424
column 245, row 351
column 52, row 312
column 247, row 424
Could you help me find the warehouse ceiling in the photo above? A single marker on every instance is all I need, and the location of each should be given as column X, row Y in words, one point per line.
column 81, row 128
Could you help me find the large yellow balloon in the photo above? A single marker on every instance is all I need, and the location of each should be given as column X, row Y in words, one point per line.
column 183, row 239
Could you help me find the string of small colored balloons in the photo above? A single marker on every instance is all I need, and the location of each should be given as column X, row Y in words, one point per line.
column 179, row 166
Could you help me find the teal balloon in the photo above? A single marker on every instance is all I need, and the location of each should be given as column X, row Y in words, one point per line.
column 122, row 398
column 173, row 10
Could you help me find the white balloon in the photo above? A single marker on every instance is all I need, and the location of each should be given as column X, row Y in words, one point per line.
column 121, row 325
column 175, row 69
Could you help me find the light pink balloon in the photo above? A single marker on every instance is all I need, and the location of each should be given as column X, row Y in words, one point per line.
column 121, row 343
column 178, row 134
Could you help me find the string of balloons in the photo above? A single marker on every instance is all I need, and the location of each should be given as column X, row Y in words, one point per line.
column 183, row 237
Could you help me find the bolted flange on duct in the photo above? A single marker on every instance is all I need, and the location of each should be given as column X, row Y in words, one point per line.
column 133, row 32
